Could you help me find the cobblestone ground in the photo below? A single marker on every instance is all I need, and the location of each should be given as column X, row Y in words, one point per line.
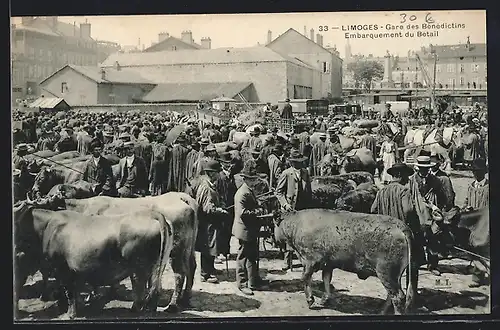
column 447, row 294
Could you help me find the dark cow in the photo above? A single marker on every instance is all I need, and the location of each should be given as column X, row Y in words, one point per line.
column 365, row 244
column 358, row 200
column 101, row 250
column 182, row 212
column 361, row 159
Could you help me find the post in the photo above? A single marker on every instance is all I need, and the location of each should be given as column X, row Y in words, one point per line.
column 434, row 84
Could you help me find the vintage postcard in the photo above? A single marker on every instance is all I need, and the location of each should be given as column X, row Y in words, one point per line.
column 250, row 165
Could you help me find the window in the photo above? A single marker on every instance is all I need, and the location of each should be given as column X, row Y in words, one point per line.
column 462, row 81
column 452, row 82
column 64, row 87
column 462, row 68
column 174, row 47
column 450, row 68
column 326, row 67
column 438, row 67
column 474, row 67
column 17, row 89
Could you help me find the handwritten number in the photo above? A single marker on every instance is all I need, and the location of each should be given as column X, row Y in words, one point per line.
column 428, row 18
column 403, row 18
column 413, row 17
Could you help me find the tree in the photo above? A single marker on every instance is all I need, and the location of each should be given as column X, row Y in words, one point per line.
column 365, row 72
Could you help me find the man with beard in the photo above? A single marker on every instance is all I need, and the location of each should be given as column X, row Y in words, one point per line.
column 226, row 188
column 429, row 200
column 211, row 214
column 98, row 171
column 395, row 200
column 177, row 165
column 133, row 177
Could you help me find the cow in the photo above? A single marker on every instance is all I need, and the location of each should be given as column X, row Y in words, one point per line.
column 356, row 160
column 358, row 200
column 135, row 245
column 365, row 244
column 77, row 190
column 180, row 209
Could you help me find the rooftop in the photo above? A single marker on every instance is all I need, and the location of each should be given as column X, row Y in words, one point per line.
column 43, row 25
column 202, row 56
column 194, row 91
column 112, row 75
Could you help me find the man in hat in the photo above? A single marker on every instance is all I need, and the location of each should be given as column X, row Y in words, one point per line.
column 395, row 200
column 262, row 167
column 226, row 188
column 98, row 171
column 21, row 164
column 133, row 175
column 84, row 139
column 66, row 142
column 268, row 145
column 304, row 141
column 287, row 112
column 369, row 142
column 319, row 150
column 446, row 184
column 44, row 142
column 246, row 229
column 191, row 159
column 294, row 191
column 429, row 199
column 210, row 215
column 477, row 198
column 274, row 133
column 254, row 140
column 177, row 165
column 275, row 165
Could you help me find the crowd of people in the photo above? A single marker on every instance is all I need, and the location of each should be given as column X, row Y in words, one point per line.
column 158, row 154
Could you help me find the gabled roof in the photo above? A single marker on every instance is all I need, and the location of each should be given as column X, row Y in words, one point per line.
column 201, row 56
column 194, row 91
column 47, row 102
column 152, row 47
column 293, row 31
column 112, row 76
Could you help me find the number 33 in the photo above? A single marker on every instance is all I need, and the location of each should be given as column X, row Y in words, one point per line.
column 323, row 28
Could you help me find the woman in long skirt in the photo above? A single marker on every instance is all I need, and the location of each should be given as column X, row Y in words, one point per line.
column 388, row 154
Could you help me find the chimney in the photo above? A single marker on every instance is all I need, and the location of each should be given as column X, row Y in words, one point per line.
column 103, row 74
column 305, row 31
column 467, row 46
column 163, row 36
column 117, row 66
column 85, row 30
column 206, row 43
column 269, row 36
column 319, row 39
column 187, row 37
column 312, row 34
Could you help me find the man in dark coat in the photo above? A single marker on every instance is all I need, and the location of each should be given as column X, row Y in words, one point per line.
column 446, row 183
column 369, row 142
column 24, row 179
column 210, row 215
column 294, row 192
column 133, row 177
column 98, row 171
column 287, row 110
column 246, row 229
column 177, row 167
column 226, row 188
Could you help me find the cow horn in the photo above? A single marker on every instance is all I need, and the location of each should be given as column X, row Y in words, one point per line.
column 28, row 198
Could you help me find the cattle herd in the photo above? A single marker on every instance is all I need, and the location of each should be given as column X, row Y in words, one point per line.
column 66, row 229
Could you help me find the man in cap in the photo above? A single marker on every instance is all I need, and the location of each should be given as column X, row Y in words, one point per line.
column 294, row 191
column 133, row 175
column 246, row 229
column 210, row 215
column 98, row 171
column 477, row 198
column 429, row 199
column 395, row 200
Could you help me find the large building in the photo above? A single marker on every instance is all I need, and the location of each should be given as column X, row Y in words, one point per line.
column 458, row 67
column 106, row 48
column 291, row 66
column 41, row 45
column 166, row 42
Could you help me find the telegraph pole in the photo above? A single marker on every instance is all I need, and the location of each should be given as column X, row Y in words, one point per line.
column 433, row 99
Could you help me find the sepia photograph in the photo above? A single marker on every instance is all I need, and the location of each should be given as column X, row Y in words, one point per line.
column 250, row 165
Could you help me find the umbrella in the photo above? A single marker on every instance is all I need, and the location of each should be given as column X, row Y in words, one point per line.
column 174, row 133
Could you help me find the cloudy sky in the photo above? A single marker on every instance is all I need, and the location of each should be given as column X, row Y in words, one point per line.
column 243, row 30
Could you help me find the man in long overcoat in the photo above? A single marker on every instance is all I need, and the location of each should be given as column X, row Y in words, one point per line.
column 177, row 166
column 210, row 215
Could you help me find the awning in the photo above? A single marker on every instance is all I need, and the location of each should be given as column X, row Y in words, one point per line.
column 194, row 92
column 48, row 103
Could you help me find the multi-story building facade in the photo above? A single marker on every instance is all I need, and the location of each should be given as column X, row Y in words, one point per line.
column 106, row 48
column 41, row 45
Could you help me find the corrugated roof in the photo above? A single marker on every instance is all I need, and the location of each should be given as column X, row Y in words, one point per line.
column 46, row 102
column 194, row 91
column 201, row 56
column 111, row 75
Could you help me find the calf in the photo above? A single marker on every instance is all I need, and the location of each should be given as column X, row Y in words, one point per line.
column 113, row 247
column 365, row 244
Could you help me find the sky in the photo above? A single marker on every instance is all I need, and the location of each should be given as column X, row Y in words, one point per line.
column 246, row 30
